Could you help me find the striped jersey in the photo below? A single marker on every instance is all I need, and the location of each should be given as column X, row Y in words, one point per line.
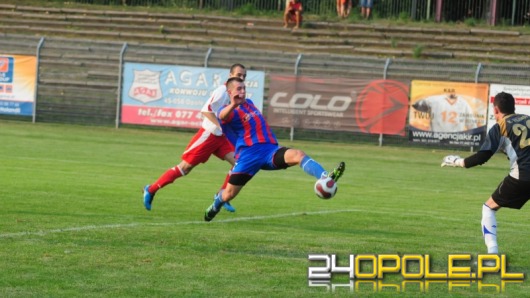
column 248, row 125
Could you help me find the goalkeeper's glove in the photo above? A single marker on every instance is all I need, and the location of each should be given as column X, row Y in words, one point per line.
column 453, row 161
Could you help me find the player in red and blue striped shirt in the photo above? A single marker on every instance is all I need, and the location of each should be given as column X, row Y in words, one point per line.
column 248, row 125
column 209, row 140
column 256, row 147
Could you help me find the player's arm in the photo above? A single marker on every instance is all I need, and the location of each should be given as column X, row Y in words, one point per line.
column 237, row 97
column 476, row 159
column 213, row 104
column 225, row 112
column 490, row 146
column 211, row 116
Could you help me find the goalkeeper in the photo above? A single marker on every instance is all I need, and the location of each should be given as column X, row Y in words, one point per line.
column 511, row 134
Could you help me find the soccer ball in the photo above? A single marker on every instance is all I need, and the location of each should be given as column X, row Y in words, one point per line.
column 325, row 188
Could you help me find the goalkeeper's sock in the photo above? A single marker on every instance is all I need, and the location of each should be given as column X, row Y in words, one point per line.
column 168, row 177
column 218, row 201
column 311, row 167
column 489, row 229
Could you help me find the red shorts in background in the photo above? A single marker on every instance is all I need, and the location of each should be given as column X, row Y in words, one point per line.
column 293, row 8
column 203, row 145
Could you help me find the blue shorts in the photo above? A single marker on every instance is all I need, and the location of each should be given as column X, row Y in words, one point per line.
column 257, row 157
column 366, row 3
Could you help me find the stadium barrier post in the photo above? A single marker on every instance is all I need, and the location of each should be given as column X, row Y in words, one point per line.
column 118, row 97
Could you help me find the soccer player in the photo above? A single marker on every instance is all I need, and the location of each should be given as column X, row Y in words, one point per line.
column 207, row 141
column 256, row 147
column 449, row 113
column 511, row 133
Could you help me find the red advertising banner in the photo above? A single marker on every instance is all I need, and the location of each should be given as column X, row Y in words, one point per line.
column 161, row 116
column 375, row 107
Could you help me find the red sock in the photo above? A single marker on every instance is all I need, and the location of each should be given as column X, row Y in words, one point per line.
column 168, row 177
column 226, row 181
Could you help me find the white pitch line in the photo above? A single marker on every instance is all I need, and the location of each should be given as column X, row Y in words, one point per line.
column 249, row 218
column 181, row 223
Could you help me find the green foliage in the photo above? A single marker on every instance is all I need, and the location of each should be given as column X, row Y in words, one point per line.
column 72, row 223
column 471, row 22
column 404, row 16
column 355, row 16
column 393, row 42
column 325, row 9
column 246, row 10
column 505, row 22
column 417, row 51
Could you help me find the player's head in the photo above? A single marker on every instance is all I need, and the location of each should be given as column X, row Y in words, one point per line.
column 233, row 81
column 235, row 87
column 505, row 103
column 239, row 71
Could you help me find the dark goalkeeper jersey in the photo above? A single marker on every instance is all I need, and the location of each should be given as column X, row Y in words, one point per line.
column 515, row 128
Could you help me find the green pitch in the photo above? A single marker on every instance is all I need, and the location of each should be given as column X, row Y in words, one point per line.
column 72, row 221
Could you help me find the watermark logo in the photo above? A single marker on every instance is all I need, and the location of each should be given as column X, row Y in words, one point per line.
column 410, row 270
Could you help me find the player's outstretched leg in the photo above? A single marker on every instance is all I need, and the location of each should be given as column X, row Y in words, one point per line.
column 148, row 198
column 214, row 208
column 337, row 172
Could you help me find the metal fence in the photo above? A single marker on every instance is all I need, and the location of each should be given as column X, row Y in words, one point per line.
column 79, row 80
column 504, row 12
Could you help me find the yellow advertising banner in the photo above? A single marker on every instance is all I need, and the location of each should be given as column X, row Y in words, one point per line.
column 18, row 75
column 451, row 113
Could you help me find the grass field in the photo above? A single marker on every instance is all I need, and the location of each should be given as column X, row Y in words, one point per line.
column 72, row 222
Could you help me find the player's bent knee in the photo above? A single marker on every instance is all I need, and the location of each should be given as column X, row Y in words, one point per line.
column 293, row 156
column 279, row 158
column 185, row 167
column 186, row 170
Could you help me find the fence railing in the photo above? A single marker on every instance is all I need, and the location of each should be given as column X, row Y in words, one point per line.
column 513, row 12
column 79, row 80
